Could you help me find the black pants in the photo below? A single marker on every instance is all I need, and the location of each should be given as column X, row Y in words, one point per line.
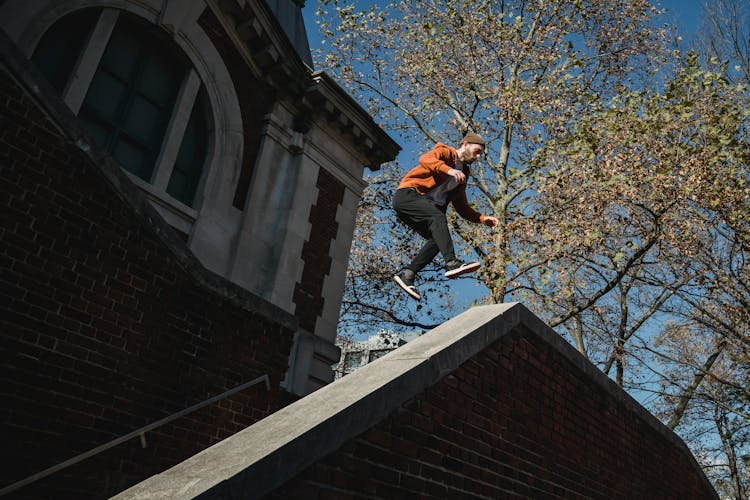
column 420, row 214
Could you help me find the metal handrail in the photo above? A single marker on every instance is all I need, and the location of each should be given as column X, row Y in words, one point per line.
column 139, row 432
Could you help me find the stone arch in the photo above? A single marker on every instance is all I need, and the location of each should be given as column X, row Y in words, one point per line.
column 26, row 23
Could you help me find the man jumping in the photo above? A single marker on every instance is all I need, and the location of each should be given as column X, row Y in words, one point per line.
column 422, row 198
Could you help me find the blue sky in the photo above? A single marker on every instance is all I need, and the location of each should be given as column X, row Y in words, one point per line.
column 684, row 14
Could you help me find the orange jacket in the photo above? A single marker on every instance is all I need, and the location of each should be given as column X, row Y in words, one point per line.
column 432, row 171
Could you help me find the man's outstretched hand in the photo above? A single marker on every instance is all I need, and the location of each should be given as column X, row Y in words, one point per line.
column 490, row 221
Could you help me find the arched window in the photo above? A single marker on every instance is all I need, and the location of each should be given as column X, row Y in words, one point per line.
column 59, row 49
column 131, row 98
column 143, row 103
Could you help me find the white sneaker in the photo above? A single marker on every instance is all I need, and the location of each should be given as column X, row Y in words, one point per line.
column 405, row 279
column 456, row 268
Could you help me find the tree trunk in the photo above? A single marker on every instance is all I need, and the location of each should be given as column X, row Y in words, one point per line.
column 697, row 379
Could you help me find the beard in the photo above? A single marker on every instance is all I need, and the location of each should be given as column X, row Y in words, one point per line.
column 465, row 161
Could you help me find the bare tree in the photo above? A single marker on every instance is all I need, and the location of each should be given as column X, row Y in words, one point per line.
column 724, row 35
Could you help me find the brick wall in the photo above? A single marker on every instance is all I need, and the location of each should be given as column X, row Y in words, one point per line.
column 108, row 323
column 308, row 293
column 517, row 420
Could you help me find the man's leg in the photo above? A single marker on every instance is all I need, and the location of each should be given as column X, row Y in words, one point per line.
column 428, row 221
column 453, row 267
column 426, row 255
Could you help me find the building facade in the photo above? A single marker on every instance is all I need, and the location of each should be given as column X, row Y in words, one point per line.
column 179, row 191
column 214, row 113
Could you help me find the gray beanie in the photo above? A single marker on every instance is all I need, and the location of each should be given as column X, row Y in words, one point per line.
column 473, row 138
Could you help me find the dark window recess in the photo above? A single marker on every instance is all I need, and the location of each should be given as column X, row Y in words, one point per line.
column 192, row 155
column 378, row 354
column 353, row 360
column 130, row 100
column 59, row 49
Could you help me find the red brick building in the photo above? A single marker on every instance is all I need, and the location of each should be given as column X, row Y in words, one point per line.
column 179, row 190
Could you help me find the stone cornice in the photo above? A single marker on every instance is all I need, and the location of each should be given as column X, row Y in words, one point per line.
column 328, row 98
column 263, row 44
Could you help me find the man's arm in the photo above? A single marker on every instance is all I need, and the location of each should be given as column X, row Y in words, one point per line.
column 464, row 210
column 438, row 159
column 462, row 205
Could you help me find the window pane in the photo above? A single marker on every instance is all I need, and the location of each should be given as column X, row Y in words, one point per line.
column 122, row 53
column 105, row 96
column 160, row 78
column 133, row 158
column 178, row 187
column 378, row 354
column 59, row 49
column 133, row 93
column 99, row 134
column 353, row 360
column 188, row 167
column 145, row 123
